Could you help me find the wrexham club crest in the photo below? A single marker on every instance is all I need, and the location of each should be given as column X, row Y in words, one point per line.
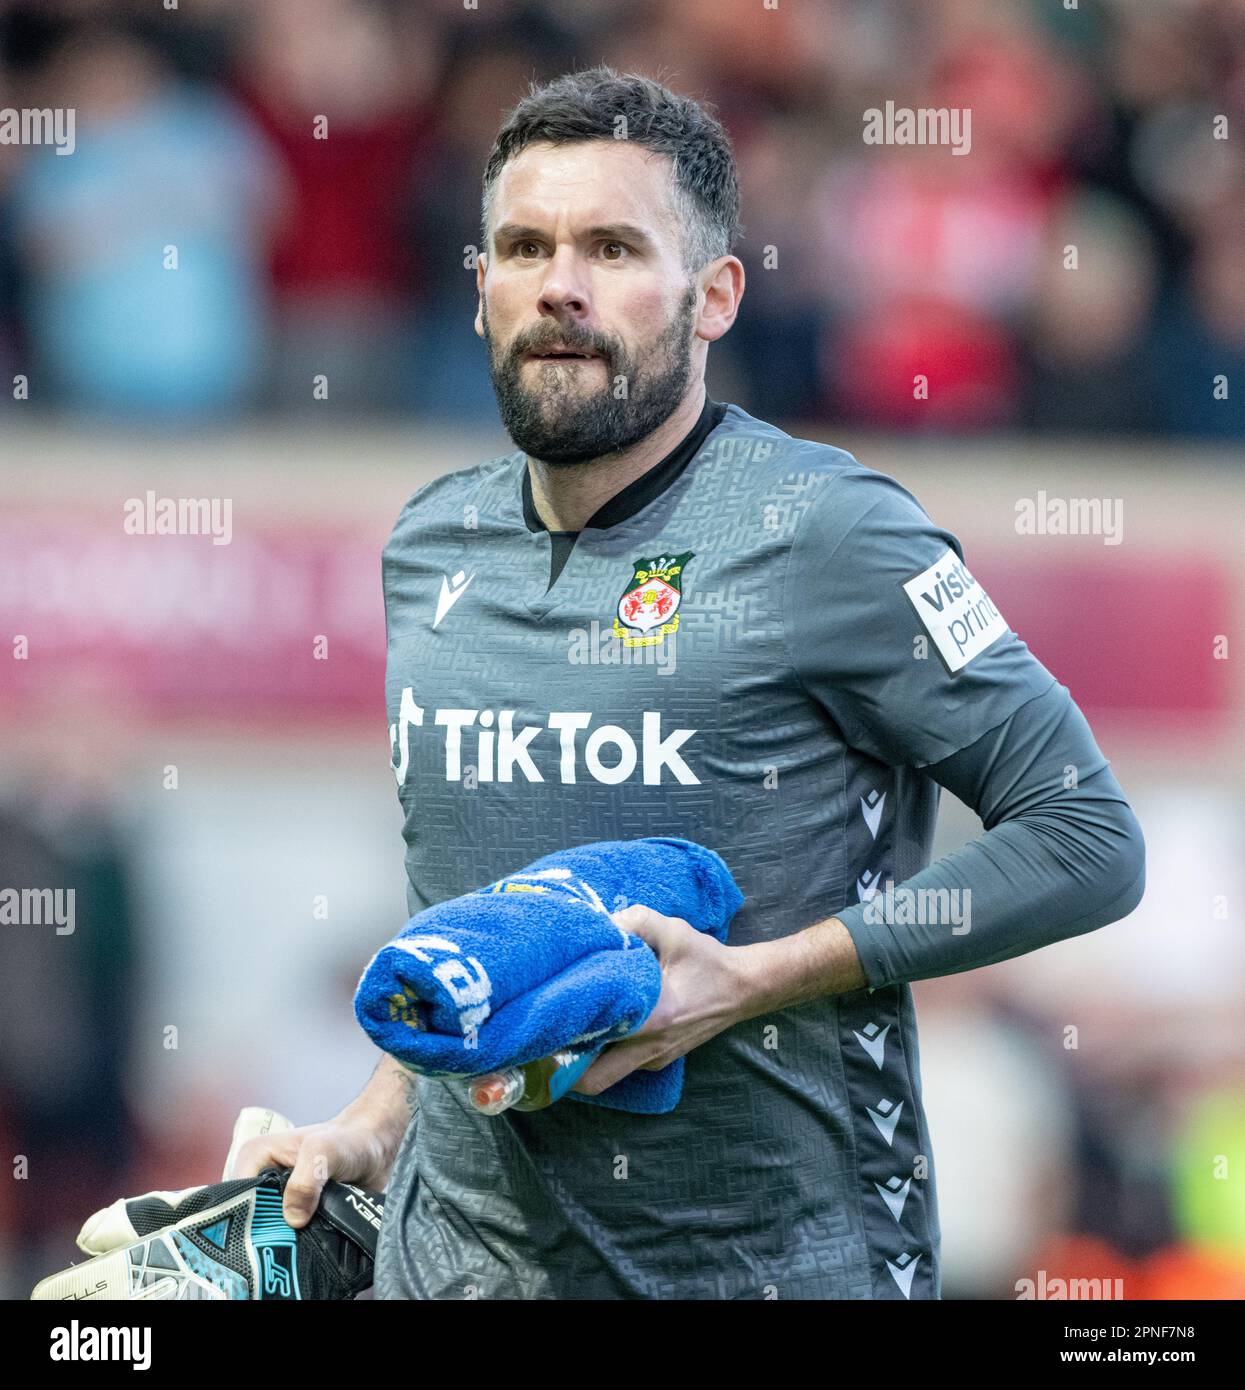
column 649, row 608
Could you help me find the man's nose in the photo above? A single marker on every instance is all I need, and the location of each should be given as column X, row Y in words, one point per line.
column 564, row 292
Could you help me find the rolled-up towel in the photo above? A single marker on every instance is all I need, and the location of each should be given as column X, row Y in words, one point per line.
column 533, row 963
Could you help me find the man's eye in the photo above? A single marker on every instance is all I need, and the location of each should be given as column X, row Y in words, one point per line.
column 613, row 250
column 526, row 248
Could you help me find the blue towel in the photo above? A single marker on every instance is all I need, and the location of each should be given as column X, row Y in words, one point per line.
column 533, row 963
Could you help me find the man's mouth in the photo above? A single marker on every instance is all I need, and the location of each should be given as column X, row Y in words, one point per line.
column 560, row 355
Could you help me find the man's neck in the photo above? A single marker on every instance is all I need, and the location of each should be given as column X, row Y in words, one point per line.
column 565, row 496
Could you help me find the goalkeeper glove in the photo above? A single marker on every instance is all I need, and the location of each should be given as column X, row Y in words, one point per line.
column 226, row 1240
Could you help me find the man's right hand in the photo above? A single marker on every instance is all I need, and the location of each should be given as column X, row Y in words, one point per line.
column 357, row 1146
column 348, row 1150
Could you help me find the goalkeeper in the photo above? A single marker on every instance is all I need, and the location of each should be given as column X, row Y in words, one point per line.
column 663, row 616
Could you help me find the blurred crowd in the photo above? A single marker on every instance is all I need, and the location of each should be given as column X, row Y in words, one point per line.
column 207, row 253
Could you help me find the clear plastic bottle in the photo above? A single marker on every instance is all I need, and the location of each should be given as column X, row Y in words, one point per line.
column 532, row 1086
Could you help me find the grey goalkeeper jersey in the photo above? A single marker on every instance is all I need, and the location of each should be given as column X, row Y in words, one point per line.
column 760, row 646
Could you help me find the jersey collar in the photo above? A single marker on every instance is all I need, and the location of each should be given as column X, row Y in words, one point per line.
column 642, row 490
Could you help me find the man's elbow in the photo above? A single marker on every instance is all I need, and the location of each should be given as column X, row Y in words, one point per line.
column 1124, row 878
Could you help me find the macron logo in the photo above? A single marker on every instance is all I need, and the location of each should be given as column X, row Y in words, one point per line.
column 450, row 596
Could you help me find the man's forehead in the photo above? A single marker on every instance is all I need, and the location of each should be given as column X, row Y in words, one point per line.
column 598, row 181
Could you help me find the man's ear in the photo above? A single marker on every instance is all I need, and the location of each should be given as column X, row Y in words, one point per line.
column 481, row 267
column 724, row 288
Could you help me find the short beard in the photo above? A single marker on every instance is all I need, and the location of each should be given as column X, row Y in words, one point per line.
column 558, row 425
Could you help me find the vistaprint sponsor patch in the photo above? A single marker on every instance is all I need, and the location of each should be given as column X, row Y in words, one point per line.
column 955, row 610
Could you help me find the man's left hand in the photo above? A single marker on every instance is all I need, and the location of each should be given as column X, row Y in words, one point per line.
column 703, row 990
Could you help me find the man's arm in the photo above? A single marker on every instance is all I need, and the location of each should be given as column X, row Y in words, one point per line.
column 1062, row 854
column 819, row 960
column 899, row 643
column 387, row 1103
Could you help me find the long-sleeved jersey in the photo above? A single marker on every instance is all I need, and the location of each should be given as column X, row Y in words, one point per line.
column 765, row 647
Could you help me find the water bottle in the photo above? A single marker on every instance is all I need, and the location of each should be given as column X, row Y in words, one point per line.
column 532, row 1086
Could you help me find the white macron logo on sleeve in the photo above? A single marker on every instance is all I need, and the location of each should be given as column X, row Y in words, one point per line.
column 955, row 610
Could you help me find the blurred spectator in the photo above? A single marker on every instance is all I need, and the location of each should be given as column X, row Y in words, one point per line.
column 1091, row 365
column 347, row 109
column 448, row 375
column 932, row 253
column 1202, row 339
column 142, row 248
column 773, row 351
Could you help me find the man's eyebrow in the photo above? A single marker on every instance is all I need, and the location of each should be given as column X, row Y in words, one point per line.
column 620, row 231
column 616, row 231
column 516, row 231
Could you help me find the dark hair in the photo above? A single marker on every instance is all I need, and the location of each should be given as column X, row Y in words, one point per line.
column 601, row 104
